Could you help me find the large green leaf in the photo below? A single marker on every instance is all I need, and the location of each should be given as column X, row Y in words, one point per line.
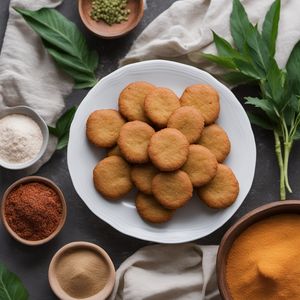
column 11, row 287
column 270, row 27
column 236, row 78
column 239, row 25
column 248, row 69
column 258, row 50
column 289, row 114
column 222, row 61
column 294, row 102
column 274, row 84
column 63, row 141
column 224, row 48
column 82, row 76
column 66, row 44
column 297, row 134
column 293, row 70
column 260, row 121
column 53, row 130
column 64, row 122
column 62, row 128
column 264, row 104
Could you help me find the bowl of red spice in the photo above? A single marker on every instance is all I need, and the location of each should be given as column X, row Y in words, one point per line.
column 259, row 256
column 33, row 210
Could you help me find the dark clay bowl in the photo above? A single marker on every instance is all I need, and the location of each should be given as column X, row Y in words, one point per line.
column 106, row 31
column 52, row 185
column 258, row 214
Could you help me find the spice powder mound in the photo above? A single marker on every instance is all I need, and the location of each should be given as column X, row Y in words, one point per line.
column 33, row 210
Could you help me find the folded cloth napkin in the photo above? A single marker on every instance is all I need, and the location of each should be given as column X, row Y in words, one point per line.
column 168, row 272
column 28, row 75
column 183, row 31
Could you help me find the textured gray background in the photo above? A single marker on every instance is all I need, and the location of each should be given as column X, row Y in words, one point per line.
column 31, row 264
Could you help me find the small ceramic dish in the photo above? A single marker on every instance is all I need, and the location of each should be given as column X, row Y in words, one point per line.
column 54, row 283
column 256, row 215
column 106, row 31
column 27, row 111
column 52, row 185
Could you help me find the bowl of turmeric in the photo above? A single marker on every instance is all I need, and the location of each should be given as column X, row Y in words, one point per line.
column 259, row 256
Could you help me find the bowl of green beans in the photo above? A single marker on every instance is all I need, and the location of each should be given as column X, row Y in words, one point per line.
column 111, row 18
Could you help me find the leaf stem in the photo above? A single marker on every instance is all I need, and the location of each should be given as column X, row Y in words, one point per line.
column 280, row 164
column 287, row 150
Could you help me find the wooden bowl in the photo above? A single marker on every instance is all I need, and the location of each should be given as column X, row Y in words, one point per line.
column 258, row 214
column 52, row 185
column 106, row 31
column 55, row 286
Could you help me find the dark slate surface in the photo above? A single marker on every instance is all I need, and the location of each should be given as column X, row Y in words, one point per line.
column 31, row 264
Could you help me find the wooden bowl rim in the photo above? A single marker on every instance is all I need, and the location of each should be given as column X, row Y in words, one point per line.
column 52, row 185
column 123, row 32
column 54, row 284
column 252, row 217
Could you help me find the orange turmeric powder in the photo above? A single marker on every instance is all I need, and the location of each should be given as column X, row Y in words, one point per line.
column 264, row 261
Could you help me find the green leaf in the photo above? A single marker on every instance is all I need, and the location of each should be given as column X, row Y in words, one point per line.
column 289, row 115
column 11, row 287
column 86, row 84
column 236, row 78
column 291, row 109
column 274, row 84
column 292, row 69
column 263, row 104
column 260, row 121
column 83, row 77
column 247, row 69
column 294, row 102
column 297, row 134
column 63, row 124
column 73, row 64
column 224, row 48
column 52, row 130
column 247, row 38
column 65, row 43
column 270, row 27
column 258, row 50
column 239, row 25
column 63, row 141
column 62, row 128
column 225, row 62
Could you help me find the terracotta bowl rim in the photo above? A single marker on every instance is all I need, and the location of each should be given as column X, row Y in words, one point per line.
column 252, row 217
column 102, row 34
column 51, row 184
column 60, row 293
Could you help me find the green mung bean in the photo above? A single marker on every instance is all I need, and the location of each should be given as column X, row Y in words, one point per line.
column 110, row 11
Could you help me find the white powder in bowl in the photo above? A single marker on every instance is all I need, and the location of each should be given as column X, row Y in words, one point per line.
column 21, row 139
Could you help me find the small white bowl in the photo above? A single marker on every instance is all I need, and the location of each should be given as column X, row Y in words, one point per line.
column 27, row 111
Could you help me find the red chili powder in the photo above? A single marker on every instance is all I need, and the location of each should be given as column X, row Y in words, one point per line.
column 33, row 210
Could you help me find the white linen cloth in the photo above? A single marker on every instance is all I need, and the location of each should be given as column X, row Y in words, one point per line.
column 28, row 75
column 183, row 31
column 168, row 272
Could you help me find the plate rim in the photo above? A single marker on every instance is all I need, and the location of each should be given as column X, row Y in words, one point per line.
column 138, row 232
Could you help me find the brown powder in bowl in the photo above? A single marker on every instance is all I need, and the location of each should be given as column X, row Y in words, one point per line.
column 82, row 273
column 33, row 210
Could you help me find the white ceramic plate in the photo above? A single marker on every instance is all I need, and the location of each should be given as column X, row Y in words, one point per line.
column 194, row 220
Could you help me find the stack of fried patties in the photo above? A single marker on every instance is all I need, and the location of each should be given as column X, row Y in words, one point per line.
column 165, row 147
